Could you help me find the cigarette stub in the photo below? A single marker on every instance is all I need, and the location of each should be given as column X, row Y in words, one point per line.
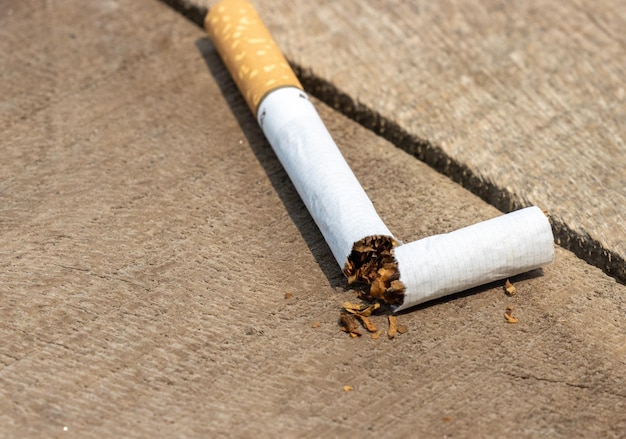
column 247, row 48
column 492, row 250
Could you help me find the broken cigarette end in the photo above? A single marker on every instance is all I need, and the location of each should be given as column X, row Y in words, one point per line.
column 372, row 262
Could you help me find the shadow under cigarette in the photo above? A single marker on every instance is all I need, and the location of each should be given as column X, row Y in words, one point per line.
column 278, row 177
column 538, row 272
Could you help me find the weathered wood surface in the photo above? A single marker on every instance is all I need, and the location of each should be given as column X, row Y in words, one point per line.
column 149, row 236
column 523, row 102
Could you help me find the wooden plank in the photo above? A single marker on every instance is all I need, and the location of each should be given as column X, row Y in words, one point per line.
column 149, row 236
column 523, row 103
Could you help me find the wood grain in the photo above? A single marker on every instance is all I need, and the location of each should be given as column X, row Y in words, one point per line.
column 149, row 236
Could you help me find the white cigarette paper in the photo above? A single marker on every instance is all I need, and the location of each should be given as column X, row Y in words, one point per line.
column 492, row 250
column 330, row 191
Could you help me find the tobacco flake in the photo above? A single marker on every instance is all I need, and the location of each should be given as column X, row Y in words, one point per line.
column 349, row 325
column 352, row 308
column 347, row 388
column 393, row 326
column 369, row 325
column 360, row 309
column 316, row 324
column 402, row 329
column 508, row 315
column 288, row 295
column 510, row 288
column 369, row 310
column 377, row 289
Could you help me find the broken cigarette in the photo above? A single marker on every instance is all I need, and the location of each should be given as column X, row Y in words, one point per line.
column 330, row 191
column 399, row 275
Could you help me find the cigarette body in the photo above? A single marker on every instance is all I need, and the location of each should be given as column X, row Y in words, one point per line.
column 485, row 252
column 326, row 184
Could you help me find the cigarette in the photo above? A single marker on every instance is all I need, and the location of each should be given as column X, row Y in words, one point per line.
column 329, row 189
column 366, row 250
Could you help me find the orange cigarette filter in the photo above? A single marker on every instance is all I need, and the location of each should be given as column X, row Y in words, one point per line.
column 251, row 55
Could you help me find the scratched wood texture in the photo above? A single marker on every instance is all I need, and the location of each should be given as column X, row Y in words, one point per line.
column 522, row 102
column 149, row 236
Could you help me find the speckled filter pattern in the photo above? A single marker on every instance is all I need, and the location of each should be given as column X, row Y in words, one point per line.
column 247, row 48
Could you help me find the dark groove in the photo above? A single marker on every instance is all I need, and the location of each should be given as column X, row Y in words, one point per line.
column 191, row 12
column 582, row 245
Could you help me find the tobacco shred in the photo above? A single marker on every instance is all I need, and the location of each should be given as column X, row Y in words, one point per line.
column 372, row 262
column 361, row 312
column 352, row 308
column 370, row 309
column 369, row 325
column 393, row 326
column 349, row 324
column 508, row 315
column 510, row 288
